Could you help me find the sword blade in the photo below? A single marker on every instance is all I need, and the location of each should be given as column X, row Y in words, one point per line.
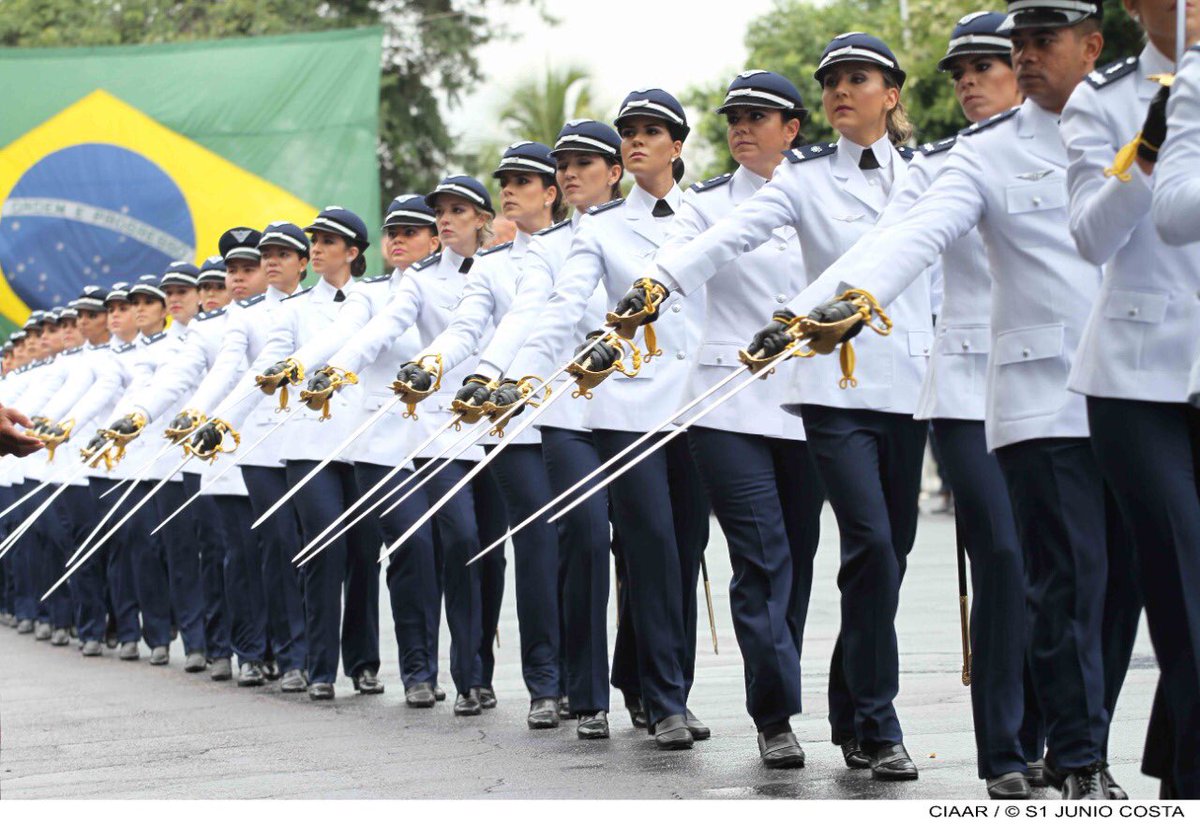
column 240, row 457
column 393, row 472
column 338, row 450
column 25, row 497
column 132, row 511
column 458, row 447
column 142, row 470
column 479, row 467
column 640, row 440
column 673, row 434
column 37, row 513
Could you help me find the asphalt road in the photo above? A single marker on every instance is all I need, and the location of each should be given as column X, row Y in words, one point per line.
column 103, row 728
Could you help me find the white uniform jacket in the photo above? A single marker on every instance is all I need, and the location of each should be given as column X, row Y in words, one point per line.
column 821, row 192
column 1139, row 343
column 614, row 246
column 302, row 317
column 1006, row 176
column 1177, row 172
column 738, row 295
column 95, row 409
column 423, row 298
column 153, row 357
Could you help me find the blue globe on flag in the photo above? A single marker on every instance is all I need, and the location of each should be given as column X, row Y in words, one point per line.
column 90, row 214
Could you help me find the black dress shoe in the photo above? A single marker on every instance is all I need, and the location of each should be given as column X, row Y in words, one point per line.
column 696, row 726
column 853, row 755
column 439, row 693
column 672, row 733
column 419, row 696
column 592, row 725
column 1086, row 783
column 468, row 704
column 1053, row 777
column 543, row 714
column 1009, row 786
column 294, row 680
column 368, row 683
column 250, row 674
column 320, row 692
column 270, row 670
column 1115, row 791
column 1037, row 773
column 890, row 762
column 637, row 715
column 781, row 750
column 564, row 709
column 487, row 698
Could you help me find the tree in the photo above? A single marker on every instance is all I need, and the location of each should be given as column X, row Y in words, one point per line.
column 429, row 52
column 791, row 37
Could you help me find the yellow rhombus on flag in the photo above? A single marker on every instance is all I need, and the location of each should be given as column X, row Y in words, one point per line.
column 101, row 192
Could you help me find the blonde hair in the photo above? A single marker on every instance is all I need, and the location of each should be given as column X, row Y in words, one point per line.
column 899, row 128
column 483, row 237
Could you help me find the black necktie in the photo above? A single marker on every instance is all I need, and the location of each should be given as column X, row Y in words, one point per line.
column 662, row 209
column 339, row 297
column 465, row 266
column 868, row 161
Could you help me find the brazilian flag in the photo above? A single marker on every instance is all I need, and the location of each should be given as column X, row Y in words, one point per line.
column 116, row 161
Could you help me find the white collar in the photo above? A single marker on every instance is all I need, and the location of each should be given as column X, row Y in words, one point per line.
column 881, row 147
column 643, row 202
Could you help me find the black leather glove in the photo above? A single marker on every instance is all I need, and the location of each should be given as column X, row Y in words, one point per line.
column 833, row 311
column 206, row 438
column 415, row 376
column 506, row 394
column 474, row 391
column 772, row 338
column 319, row 382
column 95, row 443
column 1154, row 129
column 181, row 422
column 125, row 425
column 55, row 431
column 599, row 357
column 637, row 298
column 276, row 369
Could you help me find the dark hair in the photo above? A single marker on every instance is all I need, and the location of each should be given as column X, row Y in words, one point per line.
column 558, row 209
column 358, row 266
column 677, row 169
column 796, row 114
column 610, row 161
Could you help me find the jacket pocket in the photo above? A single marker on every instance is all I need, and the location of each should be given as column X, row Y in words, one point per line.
column 1136, row 307
column 967, row 340
column 718, row 354
column 1050, row 193
column 1031, row 372
column 920, row 344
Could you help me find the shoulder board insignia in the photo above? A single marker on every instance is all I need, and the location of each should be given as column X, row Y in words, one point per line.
column 938, row 145
column 216, row 313
column 976, row 128
column 101, row 346
column 426, row 262
column 553, row 228
column 604, row 207
column 74, row 351
column 21, row 370
column 156, row 338
column 906, row 153
column 248, row 302
column 1195, row 48
column 125, row 347
column 299, row 294
column 378, row 279
column 497, row 248
column 1099, row 78
column 812, row 151
column 712, row 182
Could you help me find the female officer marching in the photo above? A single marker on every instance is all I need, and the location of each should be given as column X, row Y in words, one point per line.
column 832, row 193
column 660, row 508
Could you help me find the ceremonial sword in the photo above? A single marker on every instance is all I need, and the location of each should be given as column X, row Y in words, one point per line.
column 142, row 470
column 712, row 621
column 963, row 611
column 26, row 497
column 28, row 522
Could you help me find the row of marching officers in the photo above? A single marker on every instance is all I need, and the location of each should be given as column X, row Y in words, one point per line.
column 1011, row 286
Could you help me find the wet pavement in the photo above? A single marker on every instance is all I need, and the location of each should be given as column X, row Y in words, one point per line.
column 102, row 728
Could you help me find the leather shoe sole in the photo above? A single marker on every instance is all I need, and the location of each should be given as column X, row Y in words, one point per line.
column 1010, row 786
column 781, row 752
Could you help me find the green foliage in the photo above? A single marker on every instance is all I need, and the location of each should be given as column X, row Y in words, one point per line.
column 429, row 52
column 790, row 38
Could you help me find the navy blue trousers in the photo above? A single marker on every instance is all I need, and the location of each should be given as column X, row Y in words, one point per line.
column 116, row 558
column 491, row 518
column 521, row 473
column 584, row 543
column 264, row 588
column 624, row 674
column 767, row 497
column 346, row 569
column 663, row 516
column 21, row 557
column 870, row 464
column 1080, row 639
column 998, row 614
column 7, row 497
column 411, row 578
column 49, row 544
column 214, row 517
column 458, row 538
column 87, row 584
column 1149, row 454
column 149, row 568
column 182, row 552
